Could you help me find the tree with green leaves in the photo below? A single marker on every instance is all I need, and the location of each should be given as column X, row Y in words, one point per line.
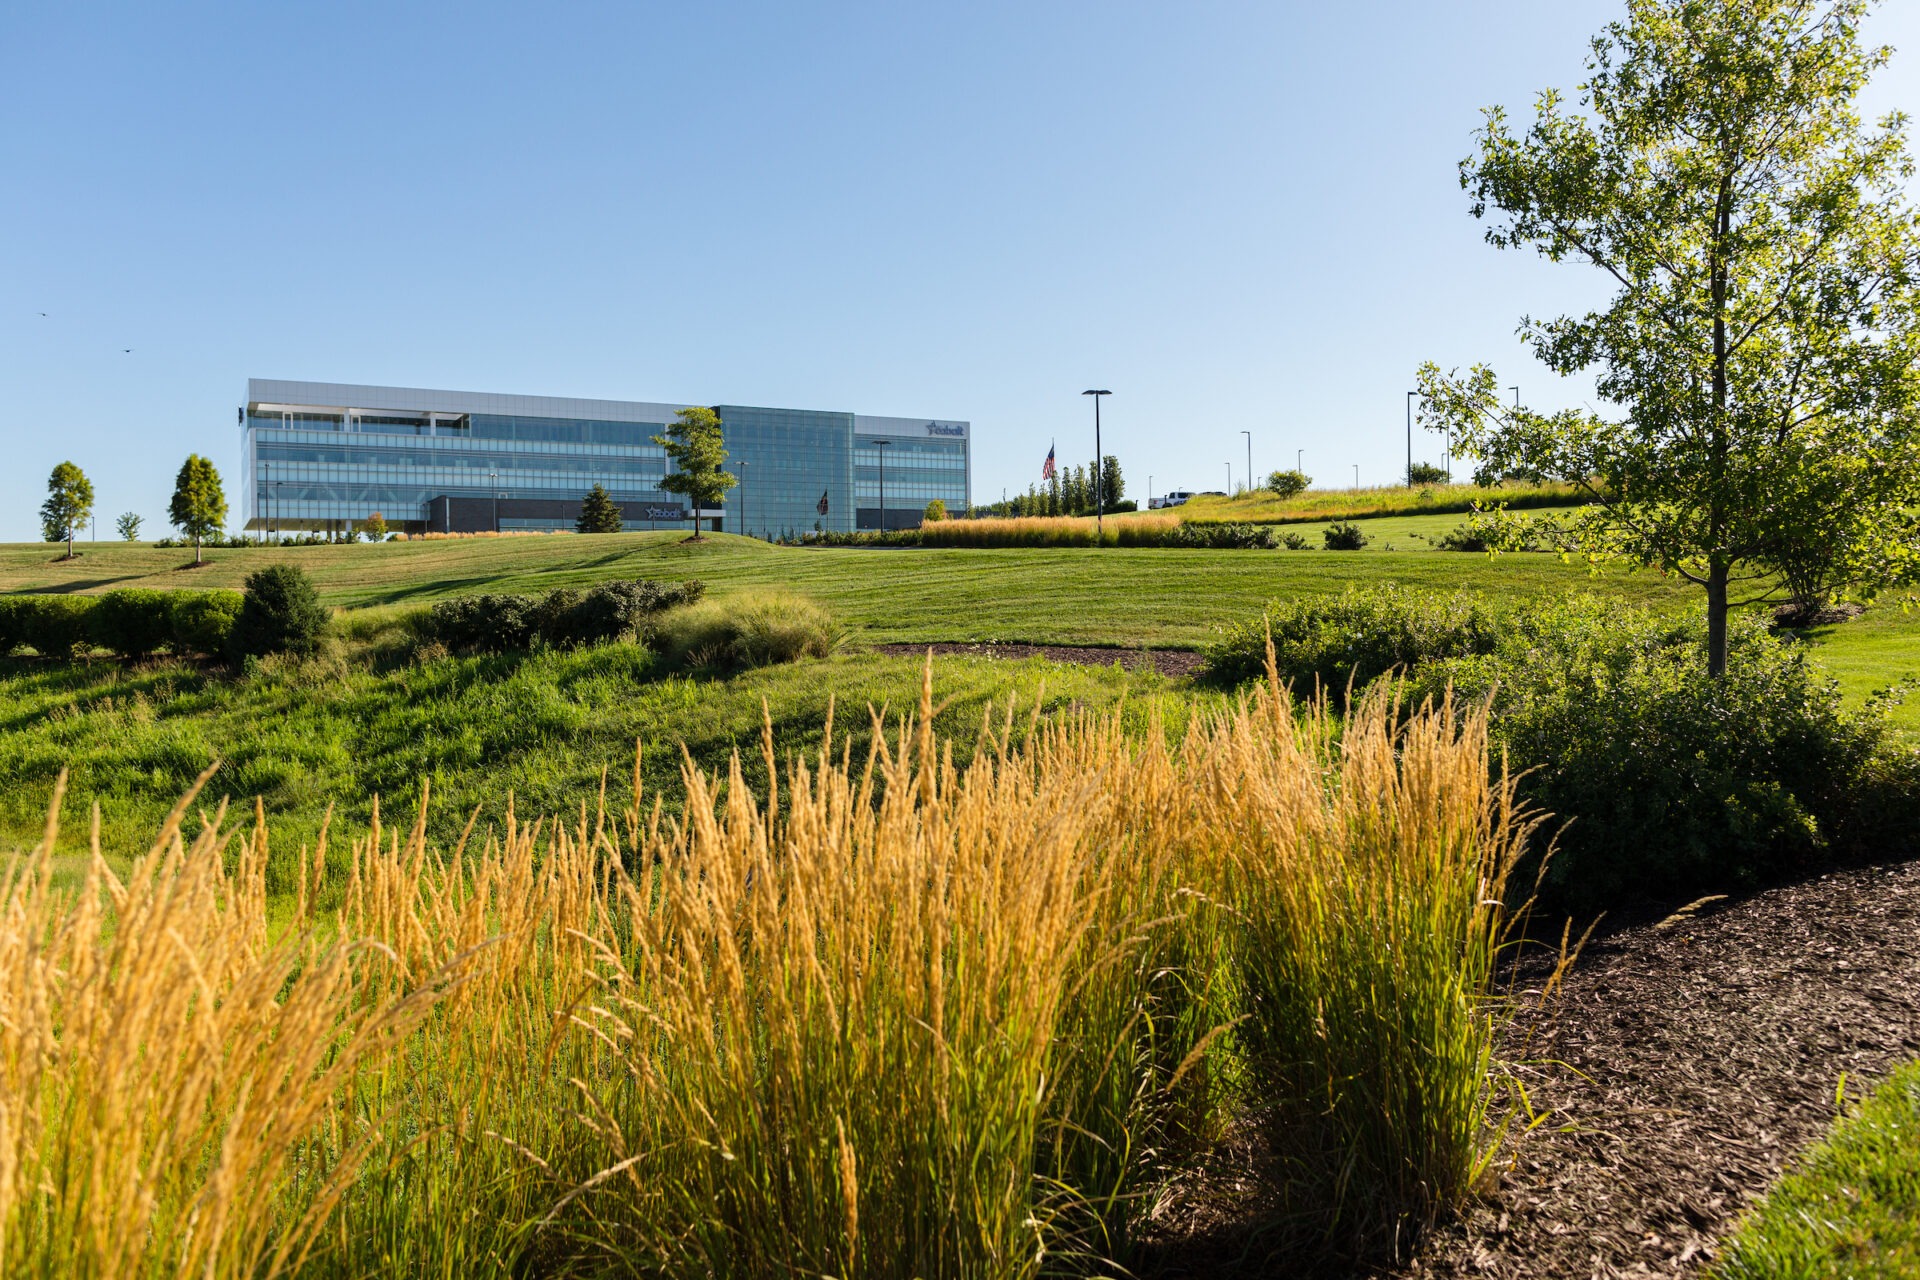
column 69, row 503
column 1288, row 484
column 375, row 527
column 1113, row 486
column 936, row 512
column 698, row 452
column 129, row 526
column 199, row 506
column 599, row 513
column 1762, row 346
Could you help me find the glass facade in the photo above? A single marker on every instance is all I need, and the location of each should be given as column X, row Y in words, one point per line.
column 328, row 456
column 786, row 460
column 907, row 472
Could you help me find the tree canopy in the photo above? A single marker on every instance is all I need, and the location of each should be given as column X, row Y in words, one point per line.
column 1759, row 352
column 698, row 452
column 69, row 503
column 199, row 505
column 599, row 513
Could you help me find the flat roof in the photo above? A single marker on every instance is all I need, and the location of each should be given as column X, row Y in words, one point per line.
column 341, row 396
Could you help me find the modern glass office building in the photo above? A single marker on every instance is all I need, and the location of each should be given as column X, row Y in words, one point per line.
column 329, row 456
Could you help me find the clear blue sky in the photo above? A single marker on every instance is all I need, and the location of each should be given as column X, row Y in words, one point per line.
column 1233, row 215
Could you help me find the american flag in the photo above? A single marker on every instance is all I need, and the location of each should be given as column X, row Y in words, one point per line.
column 1046, row 468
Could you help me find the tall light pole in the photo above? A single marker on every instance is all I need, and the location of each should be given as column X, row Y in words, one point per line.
column 1356, row 475
column 1229, row 479
column 1099, row 469
column 493, row 480
column 1149, row 493
column 1410, row 396
column 1249, row 436
column 1297, row 454
column 882, row 445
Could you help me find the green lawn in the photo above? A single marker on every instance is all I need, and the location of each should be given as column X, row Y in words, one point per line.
column 1114, row 596
column 1851, row 1209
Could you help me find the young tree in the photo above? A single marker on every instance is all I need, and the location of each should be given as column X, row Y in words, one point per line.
column 69, row 503
column 129, row 526
column 1112, row 484
column 375, row 527
column 1761, row 344
column 936, row 511
column 1288, row 484
column 694, row 444
column 1426, row 473
column 599, row 513
column 199, row 506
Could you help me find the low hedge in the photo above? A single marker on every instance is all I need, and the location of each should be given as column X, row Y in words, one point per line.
column 202, row 620
column 132, row 622
column 563, row 618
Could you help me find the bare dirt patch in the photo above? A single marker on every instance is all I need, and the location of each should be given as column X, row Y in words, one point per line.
column 1685, row 1067
column 1168, row 662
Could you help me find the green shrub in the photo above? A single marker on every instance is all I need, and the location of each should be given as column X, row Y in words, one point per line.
column 490, row 623
column 564, row 618
column 131, row 622
column 55, row 626
column 755, row 630
column 1331, row 641
column 1672, row 783
column 282, row 613
column 1221, row 537
column 202, row 620
column 1344, row 536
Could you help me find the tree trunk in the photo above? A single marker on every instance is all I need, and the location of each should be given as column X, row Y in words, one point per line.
column 1717, row 619
column 196, row 548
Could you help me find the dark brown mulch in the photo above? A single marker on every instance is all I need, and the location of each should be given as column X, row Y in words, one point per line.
column 1798, row 617
column 1684, row 1066
column 1168, row 662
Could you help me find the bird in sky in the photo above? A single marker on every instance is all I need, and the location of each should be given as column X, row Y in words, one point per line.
column 128, row 350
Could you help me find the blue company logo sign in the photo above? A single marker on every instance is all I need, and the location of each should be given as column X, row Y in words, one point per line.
column 945, row 429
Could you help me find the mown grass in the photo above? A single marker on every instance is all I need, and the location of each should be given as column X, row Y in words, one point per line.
column 883, row 1017
column 1325, row 505
column 1123, row 596
column 1113, row 596
column 1850, row 1210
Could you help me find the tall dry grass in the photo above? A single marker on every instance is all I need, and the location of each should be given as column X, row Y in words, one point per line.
column 894, row 1016
column 1145, row 529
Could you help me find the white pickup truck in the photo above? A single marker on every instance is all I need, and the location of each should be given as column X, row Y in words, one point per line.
column 1177, row 498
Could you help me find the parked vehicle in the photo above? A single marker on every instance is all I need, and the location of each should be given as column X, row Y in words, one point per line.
column 1175, row 499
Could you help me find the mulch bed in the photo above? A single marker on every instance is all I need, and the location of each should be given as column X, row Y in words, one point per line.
column 1685, row 1066
column 1168, row 662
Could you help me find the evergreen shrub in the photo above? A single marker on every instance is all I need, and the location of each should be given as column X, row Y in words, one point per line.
column 282, row 613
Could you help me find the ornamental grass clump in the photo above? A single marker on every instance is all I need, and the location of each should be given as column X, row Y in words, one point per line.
column 885, row 1014
column 1370, row 914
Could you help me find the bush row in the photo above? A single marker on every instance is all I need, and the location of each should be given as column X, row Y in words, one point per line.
column 131, row 622
column 564, row 618
column 1664, row 782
